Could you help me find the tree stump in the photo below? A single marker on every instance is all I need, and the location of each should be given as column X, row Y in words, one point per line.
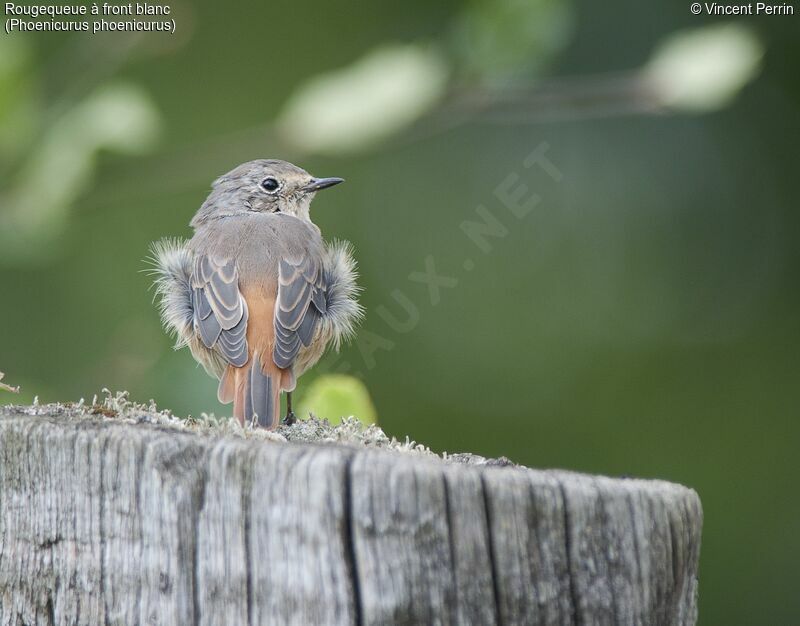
column 105, row 521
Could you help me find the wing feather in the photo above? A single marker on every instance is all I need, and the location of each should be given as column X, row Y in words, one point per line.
column 301, row 299
column 220, row 311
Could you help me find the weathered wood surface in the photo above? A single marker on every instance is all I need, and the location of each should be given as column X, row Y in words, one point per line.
column 114, row 523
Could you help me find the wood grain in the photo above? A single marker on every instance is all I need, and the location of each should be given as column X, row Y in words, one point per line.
column 106, row 522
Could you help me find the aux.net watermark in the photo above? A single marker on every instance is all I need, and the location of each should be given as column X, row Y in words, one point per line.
column 751, row 8
column 516, row 196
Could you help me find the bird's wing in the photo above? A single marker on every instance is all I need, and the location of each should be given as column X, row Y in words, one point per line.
column 301, row 301
column 220, row 311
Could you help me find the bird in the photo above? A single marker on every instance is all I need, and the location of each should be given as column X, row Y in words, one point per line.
column 257, row 294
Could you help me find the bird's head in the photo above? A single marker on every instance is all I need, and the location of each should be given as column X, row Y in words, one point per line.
column 263, row 186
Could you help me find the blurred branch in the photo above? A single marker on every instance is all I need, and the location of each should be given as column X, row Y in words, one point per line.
column 569, row 99
column 5, row 387
column 583, row 97
column 401, row 94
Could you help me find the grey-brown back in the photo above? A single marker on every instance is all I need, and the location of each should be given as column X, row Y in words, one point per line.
column 259, row 242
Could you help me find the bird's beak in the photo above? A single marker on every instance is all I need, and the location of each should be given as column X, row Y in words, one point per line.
column 321, row 183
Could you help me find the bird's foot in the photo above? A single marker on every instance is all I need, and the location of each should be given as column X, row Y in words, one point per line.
column 290, row 419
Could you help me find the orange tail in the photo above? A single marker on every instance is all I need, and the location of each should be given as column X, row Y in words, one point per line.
column 255, row 391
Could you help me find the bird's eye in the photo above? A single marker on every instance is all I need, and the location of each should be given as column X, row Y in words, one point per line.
column 270, row 184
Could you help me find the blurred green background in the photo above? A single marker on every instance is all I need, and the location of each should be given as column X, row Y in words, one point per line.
column 641, row 319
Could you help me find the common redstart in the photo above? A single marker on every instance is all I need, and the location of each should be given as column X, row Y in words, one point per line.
column 256, row 293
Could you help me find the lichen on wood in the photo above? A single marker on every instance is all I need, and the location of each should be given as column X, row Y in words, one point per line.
column 112, row 512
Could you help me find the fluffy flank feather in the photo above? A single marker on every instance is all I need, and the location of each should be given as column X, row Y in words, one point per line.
column 172, row 266
column 344, row 312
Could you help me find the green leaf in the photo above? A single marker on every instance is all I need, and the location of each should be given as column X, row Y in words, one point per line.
column 118, row 117
column 355, row 107
column 334, row 396
column 704, row 69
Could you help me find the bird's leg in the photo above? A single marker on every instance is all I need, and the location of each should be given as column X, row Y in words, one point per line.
column 290, row 418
